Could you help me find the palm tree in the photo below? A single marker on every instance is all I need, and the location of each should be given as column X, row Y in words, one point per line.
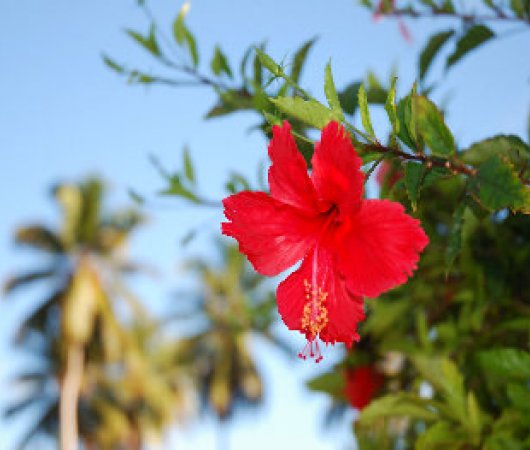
column 84, row 264
column 232, row 306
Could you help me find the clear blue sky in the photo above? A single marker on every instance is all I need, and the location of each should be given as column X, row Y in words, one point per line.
column 63, row 115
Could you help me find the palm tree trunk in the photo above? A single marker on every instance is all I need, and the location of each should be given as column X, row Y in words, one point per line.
column 70, row 389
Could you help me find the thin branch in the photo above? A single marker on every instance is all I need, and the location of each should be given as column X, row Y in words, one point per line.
column 453, row 166
column 470, row 18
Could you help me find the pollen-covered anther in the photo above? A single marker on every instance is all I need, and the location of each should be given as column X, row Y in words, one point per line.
column 315, row 314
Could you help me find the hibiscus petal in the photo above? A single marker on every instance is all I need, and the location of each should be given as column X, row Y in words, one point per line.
column 342, row 310
column 272, row 234
column 337, row 175
column 379, row 247
column 288, row 178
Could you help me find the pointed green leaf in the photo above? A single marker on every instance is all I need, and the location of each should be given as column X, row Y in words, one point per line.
column 400, row 404
column 509, row 148
column 189, row 172
column 441, row 435
column 149, row 43
column 473, row 38
column 414, row 176
column 331, row 93
column 519, row 395
column 110, row 63
column 179, row 27
column 407, row 126
column 177, row 188
column 498, row 186
column 192, row 47
column 432, row 128
column 22, row 280
column 299, row 59
column 436, row 42
column 310, row 112
column 40, row 238
column 506, row 363
column 390, row 107
column 219, row 63
column 365, row 114
column 269, row 63
column 332, row 383
column 348, row 98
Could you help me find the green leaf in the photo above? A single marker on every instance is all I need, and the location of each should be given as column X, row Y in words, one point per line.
column 441, row 436
column 519, row 395
column 474, row 37
column 436, row 42
column 110, row 63
column 179, row 27
column 149, row 43
column 454, row 243
column 17, row 281
column 269, row 63
column 506, row 364
column 39, row 238
column 182, row 34
column 192, row 48
column 177, row 188
column 310, row 112
column 332, row 383
column 432, row 128
column 390, row 107
column 299, row 59
column 407, row 126
column 511, row 149
column 400, row 404
column 219, row 63
column 498, row 186
column 443, row 374
column 237, row 183
column 414, row 176
column 348, row 98
column 385, row 314
column 189, row 172
column 365, row 114
column 473, row 423
column 136, row 197
column 331, row 93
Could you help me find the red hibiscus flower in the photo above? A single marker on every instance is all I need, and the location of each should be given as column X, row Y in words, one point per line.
column 362, row 384
column 349, row 246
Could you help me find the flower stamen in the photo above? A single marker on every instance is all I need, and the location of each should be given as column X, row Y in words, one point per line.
column 314, row 320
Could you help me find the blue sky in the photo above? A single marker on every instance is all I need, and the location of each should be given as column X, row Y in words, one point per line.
column 63, row 115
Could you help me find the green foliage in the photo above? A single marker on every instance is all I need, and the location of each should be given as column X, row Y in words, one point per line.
column 459, row 328
column 331, row 94
column 365, row 114
column 473, row 38
column 331, row 383
column 506, row 364
column 414, row 175
column 310, row 112
column 148, row 42
column 435, row 44
column 431, row 127
column 498, row 185
column 219, row 63
column 400, row 404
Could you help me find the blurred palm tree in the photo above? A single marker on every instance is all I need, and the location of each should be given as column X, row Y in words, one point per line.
column 76, row 325
column 233, row 306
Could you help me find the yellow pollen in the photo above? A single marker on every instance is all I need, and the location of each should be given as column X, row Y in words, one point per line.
column 315, row 314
